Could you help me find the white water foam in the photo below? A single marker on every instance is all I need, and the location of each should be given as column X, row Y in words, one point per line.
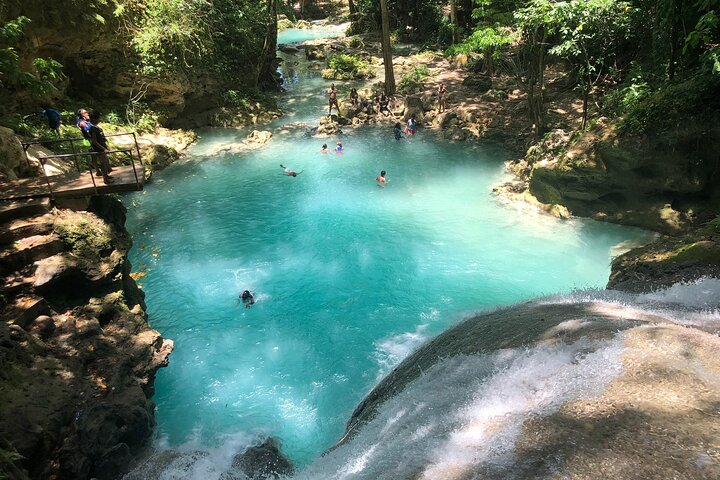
column 468, row 411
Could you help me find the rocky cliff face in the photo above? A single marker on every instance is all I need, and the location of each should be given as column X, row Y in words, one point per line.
column 78, row 359
column 663, row 184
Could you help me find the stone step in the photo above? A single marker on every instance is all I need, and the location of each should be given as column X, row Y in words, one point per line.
column 18, row 282
column 28, row 250
column 25, row 310
column 12, row 210
column 26, row 227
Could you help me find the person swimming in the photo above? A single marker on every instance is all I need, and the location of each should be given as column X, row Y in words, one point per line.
column 381, row 180
column 398, row 131
column 339, row 148
column 324, row 148
column 290, row 173
column 247, row 298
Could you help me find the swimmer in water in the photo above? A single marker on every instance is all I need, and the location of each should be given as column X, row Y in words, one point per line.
column 339, row 147
column 324, row 148
column 290, row 173
column 247, row 298
column 381, row 180
column 398, row 131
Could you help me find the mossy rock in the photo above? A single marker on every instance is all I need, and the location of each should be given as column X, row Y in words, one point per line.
column 704, row 251
column 87, row 236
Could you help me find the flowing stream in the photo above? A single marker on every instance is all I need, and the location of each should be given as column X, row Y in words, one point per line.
column 348, row 277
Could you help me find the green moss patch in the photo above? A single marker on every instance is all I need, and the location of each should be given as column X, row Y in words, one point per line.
column 86, row 235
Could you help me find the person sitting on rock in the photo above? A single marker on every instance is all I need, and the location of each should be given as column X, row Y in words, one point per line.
column 247, row 298
column 290, row 173
column 384, row 102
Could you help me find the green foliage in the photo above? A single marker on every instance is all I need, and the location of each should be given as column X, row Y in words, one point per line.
column 705, row 36
column 415, row 21
column 45, row 74
column 347, row 67
column 413, row 81
column 714, row 224
column 483, row 39
column 668, row 107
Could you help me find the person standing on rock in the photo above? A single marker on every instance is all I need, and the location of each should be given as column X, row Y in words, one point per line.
column 332, row 100
column 442, row 102
column 353, row 97
column 100, row 146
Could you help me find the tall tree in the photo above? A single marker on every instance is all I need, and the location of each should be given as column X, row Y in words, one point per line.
column 387, row 49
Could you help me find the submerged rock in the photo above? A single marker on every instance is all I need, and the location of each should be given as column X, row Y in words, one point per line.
column 258, row 137
column 263, row 461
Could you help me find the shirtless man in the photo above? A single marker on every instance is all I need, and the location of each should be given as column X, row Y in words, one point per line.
column 442, row 102
column 290, row 173
column 381, row 180
column 332, row 100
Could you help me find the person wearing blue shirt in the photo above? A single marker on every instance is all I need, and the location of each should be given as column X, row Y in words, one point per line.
column 84, row 125
column 53, row 117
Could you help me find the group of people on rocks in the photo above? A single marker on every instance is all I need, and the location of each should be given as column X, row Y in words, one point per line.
column 380, row 100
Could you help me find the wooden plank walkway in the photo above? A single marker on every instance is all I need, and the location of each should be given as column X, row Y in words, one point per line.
column 73, row 184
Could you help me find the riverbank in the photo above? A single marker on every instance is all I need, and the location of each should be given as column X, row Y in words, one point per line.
column 78, row 357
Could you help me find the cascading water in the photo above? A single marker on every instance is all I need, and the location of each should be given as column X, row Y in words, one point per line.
column 348, row 279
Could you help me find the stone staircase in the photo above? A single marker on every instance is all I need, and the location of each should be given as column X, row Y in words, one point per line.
column 26, row 237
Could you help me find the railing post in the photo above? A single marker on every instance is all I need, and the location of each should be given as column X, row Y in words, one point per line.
column 90, row 169
column 137, row 148
column 27, row 159
column 47, row 180
column 72, row 146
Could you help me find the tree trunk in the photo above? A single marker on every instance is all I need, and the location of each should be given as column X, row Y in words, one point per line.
column 674, row 37
column 454, row 21
column 586, row 94
column 489, row 64
column 387, row 49
column 352, row 7
column 267, row 74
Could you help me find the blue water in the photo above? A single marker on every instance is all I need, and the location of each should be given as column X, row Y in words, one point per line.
column 348, row 277
column 295, row 35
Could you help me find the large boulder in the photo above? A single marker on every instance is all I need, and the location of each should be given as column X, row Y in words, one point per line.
column 12, row 155
column 446, row 119
column 480, row 83
column 414, row 107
